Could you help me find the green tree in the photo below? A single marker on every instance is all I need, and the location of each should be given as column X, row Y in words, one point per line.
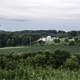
column 71, row 43
column 57, row 40
column 10, row 42
column 72, row 63
column 60, row 56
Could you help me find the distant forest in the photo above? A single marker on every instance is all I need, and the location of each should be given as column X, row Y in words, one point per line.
column 26, row 37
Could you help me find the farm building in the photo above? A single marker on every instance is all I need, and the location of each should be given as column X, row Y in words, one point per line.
column 48, row 38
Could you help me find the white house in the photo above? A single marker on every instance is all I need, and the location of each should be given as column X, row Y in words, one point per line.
column 48, row 38
column 42, row 39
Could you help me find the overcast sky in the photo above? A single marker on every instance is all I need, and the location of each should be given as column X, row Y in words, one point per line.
column 49, row 14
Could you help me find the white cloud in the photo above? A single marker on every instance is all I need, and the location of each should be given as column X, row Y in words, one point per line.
column 54, row 9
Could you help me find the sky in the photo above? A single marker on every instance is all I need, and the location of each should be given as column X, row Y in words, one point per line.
column 39, row 14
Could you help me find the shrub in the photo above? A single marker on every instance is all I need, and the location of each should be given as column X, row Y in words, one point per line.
column 66, row 40
column 39, row 52
column 39, row 60
column 76, row 39
column 60, row 56
column 71, row 43
column 7, row 63
column 78, row 57
column 47, row 54
column 41, row 42
column 57, row 40
column 72, row 63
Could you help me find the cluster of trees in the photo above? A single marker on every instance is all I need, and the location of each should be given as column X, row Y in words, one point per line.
column 17, row 39
column 28, row 37
column 59, row 59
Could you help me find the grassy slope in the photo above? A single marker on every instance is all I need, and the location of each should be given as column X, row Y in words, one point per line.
column 34, row 49
column 27, row 72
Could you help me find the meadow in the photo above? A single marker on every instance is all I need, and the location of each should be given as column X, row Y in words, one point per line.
column 29, row 73
column 36, row 48
column 31, row 63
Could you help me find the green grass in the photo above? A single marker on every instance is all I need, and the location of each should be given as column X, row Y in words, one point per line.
column 35, row 49
column 29, row 73
column 25, row 71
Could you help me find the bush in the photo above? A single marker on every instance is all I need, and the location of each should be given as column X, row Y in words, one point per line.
column 72, row 63
column 71, row 43
column 41, row 42
column 7, row 63
column 60, row 57
column 39, row 52
column 57, row 40
column 77, row 41
column 48, row 59
column 39, row 60
column 66, row 40
column 78, row 57
column 47, row 54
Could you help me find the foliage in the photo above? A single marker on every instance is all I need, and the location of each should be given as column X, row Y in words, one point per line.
column 66, row 40
column 28, row 37
column 71, row 43
column 72, row 63
column 41, row 42
column 57, row 40
column 20, row 38
column 60, row 57
column 41, row 65
column 73, row 33
column 43, row 62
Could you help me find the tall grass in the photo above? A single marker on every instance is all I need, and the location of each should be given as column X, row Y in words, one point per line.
column 29, row 73
column 39, row 66
column 22, row 70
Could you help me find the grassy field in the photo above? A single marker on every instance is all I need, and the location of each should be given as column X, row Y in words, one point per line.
column 35, row 49
column 16, row 68
column 29, row 73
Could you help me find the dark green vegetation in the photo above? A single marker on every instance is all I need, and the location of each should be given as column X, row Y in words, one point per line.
column 21, row 58
column 21, row 38
column 37, row 48
column 43, row 56
column 40, row 66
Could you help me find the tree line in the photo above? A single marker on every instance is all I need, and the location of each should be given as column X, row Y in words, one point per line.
column 27, row 37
